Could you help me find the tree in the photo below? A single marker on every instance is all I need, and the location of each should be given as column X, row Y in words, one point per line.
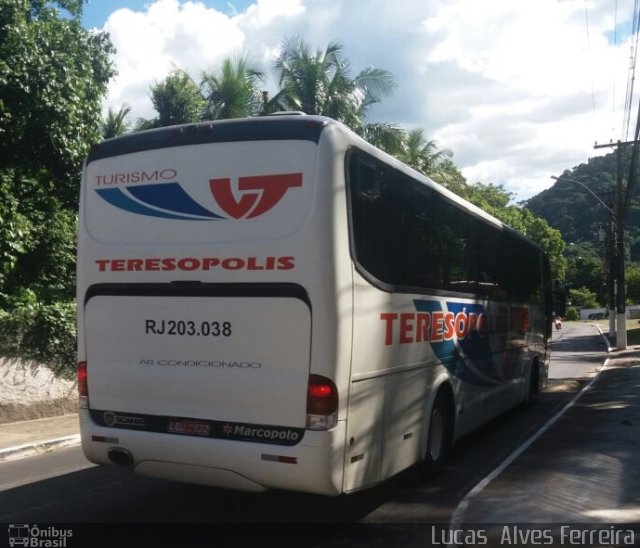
column 449, row 176
column 489, row 197
column 495, row 201
column 233, row 91
column 321, row 83
column 583, row 297
column 436, row 163
column 585, row 269
column 421, row 154
column 387, row 137
column 115, row 123
column 633, row 282
column 570, row 208
column 53, row 76
column 177, row 100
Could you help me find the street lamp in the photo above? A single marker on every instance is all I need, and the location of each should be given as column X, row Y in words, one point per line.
column 613, row 215
column 621, row 333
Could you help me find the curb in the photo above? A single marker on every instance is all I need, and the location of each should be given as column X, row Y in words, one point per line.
column 34, row 448
column 606, row 339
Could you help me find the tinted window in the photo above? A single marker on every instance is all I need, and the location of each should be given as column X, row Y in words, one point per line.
column 409, row 236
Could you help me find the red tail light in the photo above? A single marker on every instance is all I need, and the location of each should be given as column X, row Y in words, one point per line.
column 322, row 403
column 83, row 389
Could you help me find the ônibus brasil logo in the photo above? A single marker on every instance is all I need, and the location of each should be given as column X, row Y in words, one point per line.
column 258, row 194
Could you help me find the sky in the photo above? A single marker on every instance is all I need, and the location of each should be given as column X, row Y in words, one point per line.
column 518, row 90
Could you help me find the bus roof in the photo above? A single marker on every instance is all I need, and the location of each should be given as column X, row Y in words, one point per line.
column 290, row 127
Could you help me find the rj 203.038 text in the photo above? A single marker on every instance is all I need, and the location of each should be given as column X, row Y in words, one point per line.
column 187, row 328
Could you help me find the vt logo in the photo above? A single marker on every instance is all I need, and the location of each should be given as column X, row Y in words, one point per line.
column 262, row 193
column 258, row 194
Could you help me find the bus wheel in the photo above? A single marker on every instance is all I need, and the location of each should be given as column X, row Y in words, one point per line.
column 440, row 433
column 534, row 383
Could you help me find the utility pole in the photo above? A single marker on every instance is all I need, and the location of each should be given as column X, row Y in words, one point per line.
column 618, row 240
column 610, row 249
column 610, row 258
column 621, row 297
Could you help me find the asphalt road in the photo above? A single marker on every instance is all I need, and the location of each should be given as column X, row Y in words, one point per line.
column 61, row 487
column 577, row 351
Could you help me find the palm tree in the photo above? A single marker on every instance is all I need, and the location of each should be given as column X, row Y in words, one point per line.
column 321, row 83
column 115, row 123
column 425, row 157
column 233, row 91
column 388, row 137
column 421, row 154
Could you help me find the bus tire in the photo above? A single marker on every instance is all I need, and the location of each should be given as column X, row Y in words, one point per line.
column 440, row 433
column 533, row 394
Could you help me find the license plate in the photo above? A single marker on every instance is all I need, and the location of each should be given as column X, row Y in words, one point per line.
column 189, row 428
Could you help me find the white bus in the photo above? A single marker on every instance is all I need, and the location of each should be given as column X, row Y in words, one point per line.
column 274, row 303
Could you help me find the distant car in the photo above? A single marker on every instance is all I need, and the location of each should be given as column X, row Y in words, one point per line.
column 596, row 316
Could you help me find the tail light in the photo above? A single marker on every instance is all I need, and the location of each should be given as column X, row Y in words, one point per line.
column 83, row 389
column 322, row 403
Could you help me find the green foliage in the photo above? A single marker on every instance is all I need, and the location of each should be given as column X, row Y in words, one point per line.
column 37, row 281
column 449, row 176
column 321, row 83
column 569, row 207
column 177, row 99
column 488, row 196
column 233, row 91
column 578, row 215
column 73, row 7
column 387, row 137
column 586, row 268
column 53, row 77
column 572, row 314
column 14, row 229
column 41, row 256
column 583, row 297
column 633, row 283
column 115, row 123
column 495, row 200
column 45, row 333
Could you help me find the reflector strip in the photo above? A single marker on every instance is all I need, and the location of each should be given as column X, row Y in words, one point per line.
column 280, row 458
column 104, row 439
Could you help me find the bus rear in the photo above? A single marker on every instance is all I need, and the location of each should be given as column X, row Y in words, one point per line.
column 206, row 288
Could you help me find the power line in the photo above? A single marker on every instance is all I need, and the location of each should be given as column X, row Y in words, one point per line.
column 586, row 18
column 632, row 71
column 613, row 94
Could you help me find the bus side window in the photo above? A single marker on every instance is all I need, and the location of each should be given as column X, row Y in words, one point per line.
column 376, row 219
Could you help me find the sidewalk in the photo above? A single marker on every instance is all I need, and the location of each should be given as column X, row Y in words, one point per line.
column 583, row 469
column 23, row 438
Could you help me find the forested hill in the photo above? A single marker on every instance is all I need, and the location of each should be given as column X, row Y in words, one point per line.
column 570, row 208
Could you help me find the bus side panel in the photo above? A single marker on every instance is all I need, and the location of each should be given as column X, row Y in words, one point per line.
column 363, row 457
column 386, row 425
column 403, row 420
column 389, row 391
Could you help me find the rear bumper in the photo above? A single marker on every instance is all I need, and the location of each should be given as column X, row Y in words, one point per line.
column 315, row 465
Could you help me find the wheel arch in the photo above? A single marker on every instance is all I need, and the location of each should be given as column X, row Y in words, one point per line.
column 442, row 384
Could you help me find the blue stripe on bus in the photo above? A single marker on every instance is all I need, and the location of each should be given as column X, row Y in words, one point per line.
column 172, row 197
column 119, row 199
column 449, row 354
